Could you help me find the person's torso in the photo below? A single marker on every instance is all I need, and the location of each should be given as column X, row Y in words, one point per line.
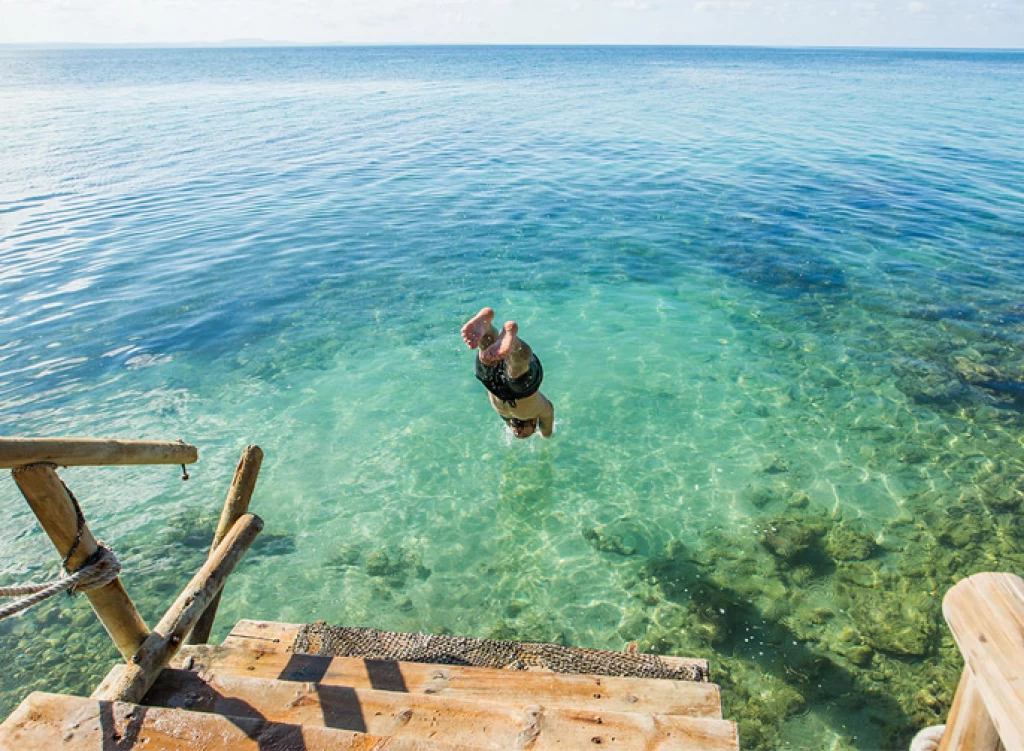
column 526, row 409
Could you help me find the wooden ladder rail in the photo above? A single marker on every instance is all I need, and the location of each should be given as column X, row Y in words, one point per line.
column 131, row 682
column 236, row 505
column 92, row 452
column 33, row 463
column 985, row 612
column 33, row 460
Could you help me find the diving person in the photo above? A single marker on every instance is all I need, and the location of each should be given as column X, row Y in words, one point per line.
column 512, row 374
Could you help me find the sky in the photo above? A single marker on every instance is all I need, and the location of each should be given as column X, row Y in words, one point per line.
column 904, row 23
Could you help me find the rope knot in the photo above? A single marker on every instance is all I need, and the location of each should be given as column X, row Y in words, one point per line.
column 99, row 569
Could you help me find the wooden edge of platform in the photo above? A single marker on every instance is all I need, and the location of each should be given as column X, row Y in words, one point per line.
column 456, row 719
column 271, row 636
column 72, row 723
column 625, row 694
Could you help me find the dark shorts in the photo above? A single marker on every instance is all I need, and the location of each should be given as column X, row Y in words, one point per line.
column 496, row 379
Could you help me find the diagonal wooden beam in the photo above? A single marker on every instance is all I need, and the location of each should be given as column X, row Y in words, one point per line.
column 236, row 504
column 131, row 682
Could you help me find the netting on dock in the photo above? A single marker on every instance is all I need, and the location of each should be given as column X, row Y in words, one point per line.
column 340, row 641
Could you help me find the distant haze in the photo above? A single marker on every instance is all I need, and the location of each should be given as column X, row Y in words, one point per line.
column 907, row 23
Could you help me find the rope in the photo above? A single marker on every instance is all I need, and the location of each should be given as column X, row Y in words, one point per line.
column 79, row 523
column 100, row 569
column 928, row 739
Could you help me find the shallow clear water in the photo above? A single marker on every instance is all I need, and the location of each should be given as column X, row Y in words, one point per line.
column 776, row 294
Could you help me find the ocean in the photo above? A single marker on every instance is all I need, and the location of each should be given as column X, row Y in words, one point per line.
column 776, row 294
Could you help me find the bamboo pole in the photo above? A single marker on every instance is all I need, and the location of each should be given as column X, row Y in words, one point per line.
column 80, row 452
column 235, row 505
column 131, row 682
column 49, row 499
column 969, row 727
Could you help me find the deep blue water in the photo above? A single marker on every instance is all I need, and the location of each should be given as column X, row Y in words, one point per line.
column 772, row 289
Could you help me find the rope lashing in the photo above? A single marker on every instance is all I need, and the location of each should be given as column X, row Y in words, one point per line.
column 98, row 570
column 79, row 523
column 101, row 569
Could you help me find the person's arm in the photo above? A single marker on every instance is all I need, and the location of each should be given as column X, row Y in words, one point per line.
column 546, row 420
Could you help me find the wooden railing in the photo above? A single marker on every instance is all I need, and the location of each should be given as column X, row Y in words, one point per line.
column 986, row 615
column 34, row 462
column 92, row 452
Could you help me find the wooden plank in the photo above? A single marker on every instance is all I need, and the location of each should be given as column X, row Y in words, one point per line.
column 969, row 728
column 45, row 722
column 236, row 504
column 471, row 722
column 597, row 693
column 91, row 452
column 273, row 636
column 131, row 681
column 53, row 507
column 985, row 612
column 266, row 635
column 685, row 663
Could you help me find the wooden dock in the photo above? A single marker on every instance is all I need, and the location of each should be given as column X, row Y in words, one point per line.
column 254, row 692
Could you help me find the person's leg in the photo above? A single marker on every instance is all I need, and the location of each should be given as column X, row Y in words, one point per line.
column 479, row 330
column 494, row 345
column 509, row 347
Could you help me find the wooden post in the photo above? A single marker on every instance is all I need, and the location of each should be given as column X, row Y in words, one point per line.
column 131, row 682
column 81, row 452
column 968, row 727
column 985, row 612
column 55, row 510
column 236, row 504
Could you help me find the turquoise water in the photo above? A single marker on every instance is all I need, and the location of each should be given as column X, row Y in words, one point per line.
column 776, row 294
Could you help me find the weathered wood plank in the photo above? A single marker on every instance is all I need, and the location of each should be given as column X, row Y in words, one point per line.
column 985, row 612
column 266, row 635
column 85, row 452
column 45, row 722
column 597, row 693
column 471, row 722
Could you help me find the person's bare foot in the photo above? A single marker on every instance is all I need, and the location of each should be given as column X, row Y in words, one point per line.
column 476, row 327
column 501, row 348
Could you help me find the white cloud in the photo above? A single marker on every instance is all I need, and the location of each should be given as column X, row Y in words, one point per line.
column 633, row 5
column 917, row 7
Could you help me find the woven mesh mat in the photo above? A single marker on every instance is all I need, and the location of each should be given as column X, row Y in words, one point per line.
column 338, row 641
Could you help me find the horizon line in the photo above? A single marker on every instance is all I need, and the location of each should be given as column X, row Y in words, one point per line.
column 270, row 43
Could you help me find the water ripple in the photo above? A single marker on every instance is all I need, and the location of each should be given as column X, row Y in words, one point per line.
column 763, row 282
